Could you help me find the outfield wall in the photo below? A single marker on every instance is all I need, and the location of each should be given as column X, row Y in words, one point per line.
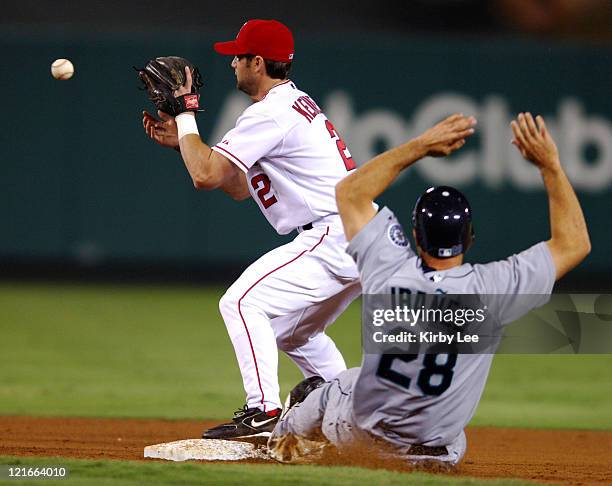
column 82, row 183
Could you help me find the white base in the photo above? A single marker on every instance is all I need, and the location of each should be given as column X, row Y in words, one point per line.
column 205, row 450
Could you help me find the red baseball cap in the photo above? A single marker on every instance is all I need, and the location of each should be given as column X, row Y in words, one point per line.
column 266, row 38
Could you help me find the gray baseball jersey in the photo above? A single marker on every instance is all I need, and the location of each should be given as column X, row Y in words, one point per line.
column 440, row 393
column 424, row 399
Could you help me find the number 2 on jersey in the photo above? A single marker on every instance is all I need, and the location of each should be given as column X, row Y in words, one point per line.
column 261, row 183
column 349, row 163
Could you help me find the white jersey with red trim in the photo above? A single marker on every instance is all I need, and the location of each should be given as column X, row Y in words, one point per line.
column 292, row 155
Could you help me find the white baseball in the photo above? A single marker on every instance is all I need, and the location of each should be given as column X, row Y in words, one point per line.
column 62, row 69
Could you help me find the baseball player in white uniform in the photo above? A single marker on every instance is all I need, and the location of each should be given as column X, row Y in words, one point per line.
column 287, row 156
column 415, row 406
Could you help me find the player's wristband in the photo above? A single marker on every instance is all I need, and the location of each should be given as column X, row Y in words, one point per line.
column 186, row 124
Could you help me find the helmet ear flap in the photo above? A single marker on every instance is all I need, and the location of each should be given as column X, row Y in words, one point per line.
column 418, row 216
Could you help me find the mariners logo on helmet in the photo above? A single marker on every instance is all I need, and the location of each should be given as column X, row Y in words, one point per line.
column 397, row 236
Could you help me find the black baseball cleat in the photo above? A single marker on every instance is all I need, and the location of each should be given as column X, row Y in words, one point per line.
column 300, row 391
column 248, row 423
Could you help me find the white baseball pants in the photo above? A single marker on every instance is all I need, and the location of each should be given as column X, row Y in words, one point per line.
column 285, row 300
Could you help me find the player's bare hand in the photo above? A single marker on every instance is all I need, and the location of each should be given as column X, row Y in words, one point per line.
column 447, row 136
column 186, row 88
column 532, row 139
column 163, row 131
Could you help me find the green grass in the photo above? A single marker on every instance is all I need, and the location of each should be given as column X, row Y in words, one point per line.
column 548, row 391
column 135, row 473
column 162, row 351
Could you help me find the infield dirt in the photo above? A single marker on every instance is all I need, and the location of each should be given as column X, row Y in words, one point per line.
column 558, row 456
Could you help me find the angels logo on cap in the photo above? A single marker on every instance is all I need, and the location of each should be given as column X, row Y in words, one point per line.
column 269, row 39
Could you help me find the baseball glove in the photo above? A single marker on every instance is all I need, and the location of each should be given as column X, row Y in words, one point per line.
column 162, row 76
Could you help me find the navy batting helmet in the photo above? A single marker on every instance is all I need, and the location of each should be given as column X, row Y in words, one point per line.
column 442, row 220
